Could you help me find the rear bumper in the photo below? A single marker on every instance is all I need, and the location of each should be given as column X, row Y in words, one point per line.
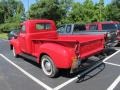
column 87, row 66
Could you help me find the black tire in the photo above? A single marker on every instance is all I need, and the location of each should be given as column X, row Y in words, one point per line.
column 14, row 53
column 48, row 66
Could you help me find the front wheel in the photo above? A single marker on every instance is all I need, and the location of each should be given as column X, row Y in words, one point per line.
column 48, row 66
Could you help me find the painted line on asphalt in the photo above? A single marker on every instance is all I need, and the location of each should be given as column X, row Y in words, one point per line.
column 111, row 56
column 112, row 64
column 59, row 86
column 75, row 78
column 27, row 74
column 114, row 84
column 65, row 83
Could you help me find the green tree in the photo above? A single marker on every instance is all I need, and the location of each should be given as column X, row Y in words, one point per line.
column 10, row 12
column 82, row 12
column 100, row 10
column 88, row 7
column 76, row 13
column 50, row 9
column 113, row 10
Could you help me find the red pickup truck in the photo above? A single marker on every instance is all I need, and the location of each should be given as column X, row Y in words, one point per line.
column 108, row 26
column 38, row 40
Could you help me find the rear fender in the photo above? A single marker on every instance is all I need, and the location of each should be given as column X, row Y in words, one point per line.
column 60, row 55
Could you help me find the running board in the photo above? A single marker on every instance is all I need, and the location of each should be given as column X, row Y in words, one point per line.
column 90, row 69
column 27, row 56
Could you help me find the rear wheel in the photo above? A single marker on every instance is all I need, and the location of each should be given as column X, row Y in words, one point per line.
column 14, row 53
column 48, row 66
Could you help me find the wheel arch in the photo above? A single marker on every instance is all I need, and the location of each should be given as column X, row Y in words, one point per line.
column 15, row 44
column 60, row 57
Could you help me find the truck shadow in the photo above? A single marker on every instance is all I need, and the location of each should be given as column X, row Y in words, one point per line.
column 88, row 63
column 91, row 74
column 85, row 66
column 110, row 51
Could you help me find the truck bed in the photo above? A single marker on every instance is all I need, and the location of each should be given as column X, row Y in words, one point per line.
column 89, row 46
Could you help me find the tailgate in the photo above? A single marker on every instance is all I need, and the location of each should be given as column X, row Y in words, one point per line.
column 91, row 48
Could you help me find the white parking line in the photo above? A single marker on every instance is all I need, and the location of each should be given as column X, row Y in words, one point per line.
column 112, row 64
column 114, row 84
column 65, row 83
column 75, row 78
column 111, row 56
column 27, row 74
column 61, row 85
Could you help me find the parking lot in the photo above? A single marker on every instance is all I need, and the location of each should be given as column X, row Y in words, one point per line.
column 23, row 74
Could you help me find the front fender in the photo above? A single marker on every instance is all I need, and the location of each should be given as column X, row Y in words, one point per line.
column 14, row 43
column 60, row 55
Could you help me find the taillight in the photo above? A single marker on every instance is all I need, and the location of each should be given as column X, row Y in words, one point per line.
column 77, row 48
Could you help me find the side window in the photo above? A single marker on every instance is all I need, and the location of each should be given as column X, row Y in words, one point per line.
column 61, row 29
column 68, row 28
column 109, row 26
column 93, row 27
column 23, row 28
column 78, row 28
column 43, row 26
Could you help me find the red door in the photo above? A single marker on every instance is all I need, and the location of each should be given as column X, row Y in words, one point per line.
column 22, row 38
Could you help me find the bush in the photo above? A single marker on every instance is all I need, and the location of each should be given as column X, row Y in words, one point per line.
column 7, row 27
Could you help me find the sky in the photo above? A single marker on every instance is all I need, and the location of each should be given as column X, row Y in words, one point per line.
column 27, row 3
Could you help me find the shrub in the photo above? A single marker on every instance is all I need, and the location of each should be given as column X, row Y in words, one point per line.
column 7, row 27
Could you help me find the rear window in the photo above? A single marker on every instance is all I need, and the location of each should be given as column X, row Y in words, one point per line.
column 43, row 26
column 78, row 28
column 109, row 26
column 93, row 27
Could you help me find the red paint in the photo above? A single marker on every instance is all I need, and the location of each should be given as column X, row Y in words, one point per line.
column 62, row 49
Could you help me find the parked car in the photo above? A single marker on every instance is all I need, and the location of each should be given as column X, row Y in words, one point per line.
column 13, row 34
column 39, row 41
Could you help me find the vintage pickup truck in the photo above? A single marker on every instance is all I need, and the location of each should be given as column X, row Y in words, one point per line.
column 39, row 41
column 81, row 29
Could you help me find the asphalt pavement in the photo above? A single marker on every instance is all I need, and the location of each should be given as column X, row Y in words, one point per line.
column 23, row 74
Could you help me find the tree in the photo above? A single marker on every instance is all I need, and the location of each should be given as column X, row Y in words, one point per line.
column 113, row 10
column 76, row 13
column 10, row 12
column 1, row 13
column 100, row 11
column 54, row 9
column 82, row 12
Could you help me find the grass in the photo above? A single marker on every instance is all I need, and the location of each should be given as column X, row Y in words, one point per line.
column 3, row 36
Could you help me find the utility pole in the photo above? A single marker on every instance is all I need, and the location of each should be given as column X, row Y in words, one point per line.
column 28, row 9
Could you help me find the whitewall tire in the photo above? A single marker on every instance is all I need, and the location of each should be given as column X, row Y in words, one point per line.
column 48, row 66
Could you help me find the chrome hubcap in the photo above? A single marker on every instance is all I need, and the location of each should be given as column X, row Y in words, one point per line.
column 48, row 66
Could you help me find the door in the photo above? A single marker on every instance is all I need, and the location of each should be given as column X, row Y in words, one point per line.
column 22, row 38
